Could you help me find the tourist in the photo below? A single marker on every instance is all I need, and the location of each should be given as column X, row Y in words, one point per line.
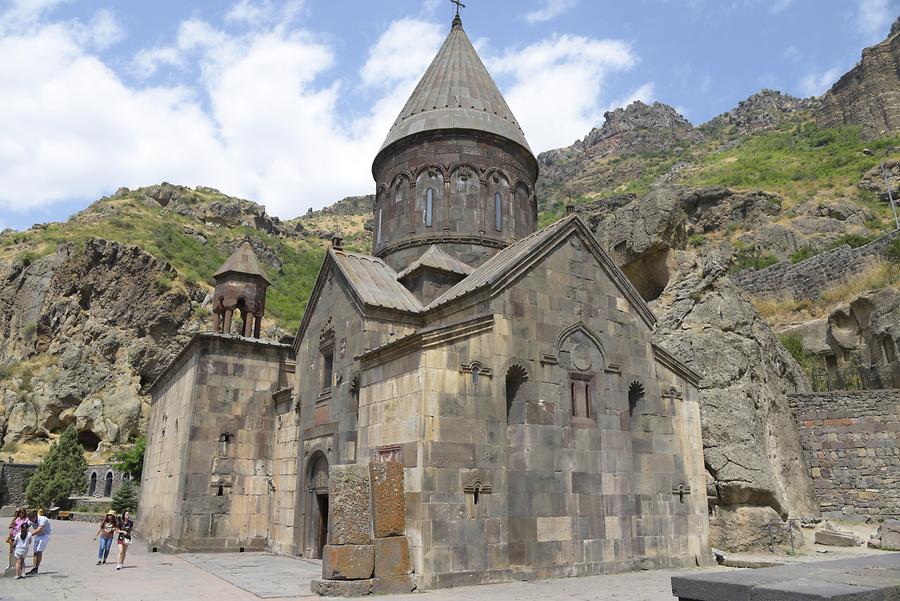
column 20, row 519
column 23, row 541
column 41, row 535
column 124, row 539
column 106, row 532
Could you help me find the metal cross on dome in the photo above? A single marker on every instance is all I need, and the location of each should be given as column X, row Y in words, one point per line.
column 458, row 4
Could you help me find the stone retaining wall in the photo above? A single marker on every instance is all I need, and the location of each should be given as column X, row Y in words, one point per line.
column 807, row 279
column 852, row 444
column 13, row 480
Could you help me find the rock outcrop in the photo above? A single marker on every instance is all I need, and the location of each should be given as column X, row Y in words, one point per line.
column 762, row 111
column 586, row 166
column 868, row 94
column 104, row 321
column 751, row 446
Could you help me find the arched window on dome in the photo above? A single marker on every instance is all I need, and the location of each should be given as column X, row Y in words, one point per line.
column 378, row 229
column 498, row 212
column 429, row 206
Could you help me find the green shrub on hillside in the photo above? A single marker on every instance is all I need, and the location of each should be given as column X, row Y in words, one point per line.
column 750, row 257
column 794, row 345
column 893, row 251
column 803, row 253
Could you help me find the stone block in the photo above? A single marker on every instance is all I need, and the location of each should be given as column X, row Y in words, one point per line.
column 890, row 535
column 393, row 585
column 341, row 588
column 388, row 498
column 391, row 556
column 348, row 518
column 348, row 562
column 836, row 539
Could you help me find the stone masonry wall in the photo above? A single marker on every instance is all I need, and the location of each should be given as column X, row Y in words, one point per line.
column 807, row 279
column 13, row 480
column 852, row 445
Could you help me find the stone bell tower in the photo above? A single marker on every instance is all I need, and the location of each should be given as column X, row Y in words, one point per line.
column 241, row 285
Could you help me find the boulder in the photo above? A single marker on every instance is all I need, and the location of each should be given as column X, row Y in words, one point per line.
column 751, row 445
column 837, row 538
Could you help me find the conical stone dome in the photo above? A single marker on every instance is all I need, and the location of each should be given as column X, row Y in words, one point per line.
column 456, row 92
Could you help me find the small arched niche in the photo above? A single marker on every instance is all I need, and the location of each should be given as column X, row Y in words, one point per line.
column 516, row 376
column 635, row 396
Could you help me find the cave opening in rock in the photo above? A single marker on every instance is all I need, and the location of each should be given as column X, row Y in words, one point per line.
column 89, row 440
column 649, row 274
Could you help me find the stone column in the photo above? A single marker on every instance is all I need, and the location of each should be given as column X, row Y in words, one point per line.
column 249, row 320
column 226, row 327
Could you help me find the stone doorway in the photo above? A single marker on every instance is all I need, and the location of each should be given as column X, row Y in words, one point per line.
column 317, row 502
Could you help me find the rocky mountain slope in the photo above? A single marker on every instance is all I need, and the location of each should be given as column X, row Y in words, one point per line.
column 92, row 309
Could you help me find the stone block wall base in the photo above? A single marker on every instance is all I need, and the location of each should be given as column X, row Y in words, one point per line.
column 393, row 585
column 341, row 588
column 392, row 556
column 388, row 498
column 348, row 562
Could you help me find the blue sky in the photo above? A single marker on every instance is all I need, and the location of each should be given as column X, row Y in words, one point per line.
column 285, row 102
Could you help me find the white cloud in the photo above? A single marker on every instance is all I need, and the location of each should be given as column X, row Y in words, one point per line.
column 263, row 12
column 263, row 119
column 814, row 84
column 101, row 32
column 875, row 17
column 402, row 52
column 550, row 10
column 558, row 85
column 20, row 14
column 780, row 6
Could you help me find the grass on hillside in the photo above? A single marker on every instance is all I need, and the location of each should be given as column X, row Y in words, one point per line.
column 162, row 233
column 797, row 161
column 781, row 311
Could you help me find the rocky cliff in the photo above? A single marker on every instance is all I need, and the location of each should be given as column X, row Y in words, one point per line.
column 869, row 94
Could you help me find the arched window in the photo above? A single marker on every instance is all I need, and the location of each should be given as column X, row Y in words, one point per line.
column 498, row 212
column 107, row 488
column 93, row 487
column 429, row 206
column 378, row 230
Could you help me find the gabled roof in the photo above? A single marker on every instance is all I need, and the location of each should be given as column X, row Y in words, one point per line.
column 374, row 282
column 243, row 260
column 456, row 92
column 520, row 256
column 435, row 258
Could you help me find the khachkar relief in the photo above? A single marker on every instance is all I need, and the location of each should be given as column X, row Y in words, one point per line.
column 581, row 357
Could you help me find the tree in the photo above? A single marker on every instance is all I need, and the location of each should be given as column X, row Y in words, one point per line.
column 60, row 474
column 125, row 498
column 131, row 460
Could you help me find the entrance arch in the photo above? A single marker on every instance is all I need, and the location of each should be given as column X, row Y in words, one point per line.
column 317, row 506
column 93, row 487
column 107, row 488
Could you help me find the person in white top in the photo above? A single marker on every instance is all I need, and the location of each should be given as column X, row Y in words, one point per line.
column 41, row 534
column 22, row 541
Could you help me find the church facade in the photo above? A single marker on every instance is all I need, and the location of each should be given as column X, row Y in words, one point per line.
column 510, row 371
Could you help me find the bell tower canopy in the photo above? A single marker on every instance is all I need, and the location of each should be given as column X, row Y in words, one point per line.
column 241, row 286
column 456, row 92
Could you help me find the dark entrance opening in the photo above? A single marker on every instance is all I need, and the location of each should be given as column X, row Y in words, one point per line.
column 317, row 507
column 88, row 440
column 322, row 536
column 93, row 487
column 107, row 488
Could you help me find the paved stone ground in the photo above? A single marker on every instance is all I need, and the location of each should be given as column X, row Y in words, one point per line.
column 69, row 573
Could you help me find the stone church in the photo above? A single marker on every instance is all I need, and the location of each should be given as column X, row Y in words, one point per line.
column 510, row 370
